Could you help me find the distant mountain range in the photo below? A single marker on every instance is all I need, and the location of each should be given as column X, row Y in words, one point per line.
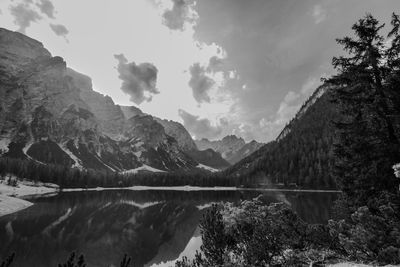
column 232, row 148
column 51, row 114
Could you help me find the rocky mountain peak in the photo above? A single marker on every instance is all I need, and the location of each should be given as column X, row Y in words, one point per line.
column 83, row 82
column 110, row 116
column 177, row 131
column 51, row 114
column 231, row 147
column 21, row 45
column 232, row 137
column 130, row 111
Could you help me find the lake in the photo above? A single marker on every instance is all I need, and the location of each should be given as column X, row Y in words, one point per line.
column 154, row 227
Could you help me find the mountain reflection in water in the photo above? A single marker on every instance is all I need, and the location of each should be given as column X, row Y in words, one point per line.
column 153, row 227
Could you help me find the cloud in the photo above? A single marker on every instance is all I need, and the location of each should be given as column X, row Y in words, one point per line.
column 181, row 13
column 215, row 64
column 59, row 29
column 290, row 97
column 319, row 14
column 288, row 108
column 24, row 15
column 310, row 85
column 200, row 83
column 200, row 128
column 138, row 81
column 47, row 7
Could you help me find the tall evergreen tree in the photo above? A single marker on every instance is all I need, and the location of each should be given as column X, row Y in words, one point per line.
column 367, row 141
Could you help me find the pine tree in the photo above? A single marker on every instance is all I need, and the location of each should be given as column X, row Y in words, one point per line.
column 367, row 142
column 213, row 238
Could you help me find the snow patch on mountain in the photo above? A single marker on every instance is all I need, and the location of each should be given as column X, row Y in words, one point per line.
column 4, row 145
column 110, row 168
column 77, row 161
column 144, row 167
column 208, row 168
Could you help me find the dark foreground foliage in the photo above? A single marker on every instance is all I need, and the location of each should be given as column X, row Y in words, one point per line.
column 372, row 233
column 253, row 234
column 72, row 261
column 7, row 262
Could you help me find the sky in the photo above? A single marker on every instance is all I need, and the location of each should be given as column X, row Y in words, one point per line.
column 219, row 67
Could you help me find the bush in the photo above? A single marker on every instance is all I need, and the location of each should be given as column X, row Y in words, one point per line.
column 372, row 233
column 253, row 234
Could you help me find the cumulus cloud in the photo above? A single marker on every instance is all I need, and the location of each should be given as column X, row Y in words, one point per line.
column 47, row 8
column 26, row 12
column 288, row 108
column 182, row 12
column 138, row 81
column 24, row 15
column 310, row 85
column 215, row 64
column 200, row 83
column 319, row 14
column 200, row 128
column 59, row 29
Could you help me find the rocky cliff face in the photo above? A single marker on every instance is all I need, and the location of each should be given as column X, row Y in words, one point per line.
column 177, row 131
column 110, row 116
column 50, row 114
column 232, row 148
column 208, row 157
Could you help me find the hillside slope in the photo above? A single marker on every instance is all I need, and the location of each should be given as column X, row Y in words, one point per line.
column 302, row 154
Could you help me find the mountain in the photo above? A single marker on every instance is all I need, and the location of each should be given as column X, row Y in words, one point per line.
column 207, row 157
column 302, row 153
column 178, row 131
column 232, row 148
column 51, row 114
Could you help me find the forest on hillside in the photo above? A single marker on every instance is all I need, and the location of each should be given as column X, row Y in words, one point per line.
column 303, row 157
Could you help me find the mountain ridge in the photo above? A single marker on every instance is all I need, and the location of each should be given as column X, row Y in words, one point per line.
column 302, row 153
column 231, row 147
column 52, row 115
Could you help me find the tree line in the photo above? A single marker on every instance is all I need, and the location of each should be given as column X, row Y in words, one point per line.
column 302, row 157
column 67, row 177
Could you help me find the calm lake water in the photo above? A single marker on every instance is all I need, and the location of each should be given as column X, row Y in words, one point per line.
column 154, row 227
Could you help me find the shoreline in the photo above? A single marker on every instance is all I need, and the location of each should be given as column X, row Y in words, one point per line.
column 197, row 188
column 13, row 199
